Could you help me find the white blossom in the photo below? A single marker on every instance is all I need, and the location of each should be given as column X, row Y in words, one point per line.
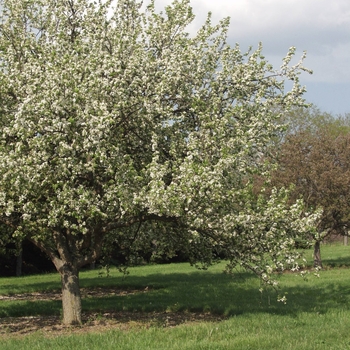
column 114, row 117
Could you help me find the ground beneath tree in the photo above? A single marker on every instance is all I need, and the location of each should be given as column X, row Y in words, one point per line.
column 92, row 321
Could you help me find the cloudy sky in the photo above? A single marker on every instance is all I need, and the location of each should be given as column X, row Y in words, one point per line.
column 321, row 27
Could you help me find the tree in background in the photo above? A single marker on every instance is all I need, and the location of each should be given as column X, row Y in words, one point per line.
column 121, row 127
column 315, row 158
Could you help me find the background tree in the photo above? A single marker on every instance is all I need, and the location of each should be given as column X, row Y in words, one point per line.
column 315, row 158
column 7, row 248
column 118, row 119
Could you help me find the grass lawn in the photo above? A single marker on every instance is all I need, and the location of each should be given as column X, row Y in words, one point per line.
column 316, row 316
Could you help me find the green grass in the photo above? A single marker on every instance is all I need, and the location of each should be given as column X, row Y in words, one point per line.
column 250, row 331
column 335, row 255
column 316, row 316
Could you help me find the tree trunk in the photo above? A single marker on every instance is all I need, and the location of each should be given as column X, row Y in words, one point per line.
column 19, row 262
column 71, row 300
column 317, row 255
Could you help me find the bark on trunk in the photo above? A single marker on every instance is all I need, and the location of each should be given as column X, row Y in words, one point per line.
column 317, row 255
column 71, row 300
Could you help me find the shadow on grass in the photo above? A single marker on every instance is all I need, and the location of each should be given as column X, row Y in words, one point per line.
column 222, row 295
column 215, row 293
column 25, row 308
column 336, row 262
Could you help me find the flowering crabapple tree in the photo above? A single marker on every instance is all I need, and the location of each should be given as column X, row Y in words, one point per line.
column 116, row 122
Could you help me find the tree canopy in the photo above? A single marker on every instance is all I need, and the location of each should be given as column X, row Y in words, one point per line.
column 117, row 124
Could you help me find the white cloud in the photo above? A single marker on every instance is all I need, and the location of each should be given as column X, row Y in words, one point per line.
column 321, row 27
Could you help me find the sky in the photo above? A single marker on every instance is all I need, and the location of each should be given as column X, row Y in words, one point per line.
column 319, row 27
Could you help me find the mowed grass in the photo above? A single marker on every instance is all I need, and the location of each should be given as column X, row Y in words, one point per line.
column 316, row 316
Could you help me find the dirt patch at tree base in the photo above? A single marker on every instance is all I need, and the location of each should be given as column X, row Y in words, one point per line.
column 99, row 322
column 94, row 321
